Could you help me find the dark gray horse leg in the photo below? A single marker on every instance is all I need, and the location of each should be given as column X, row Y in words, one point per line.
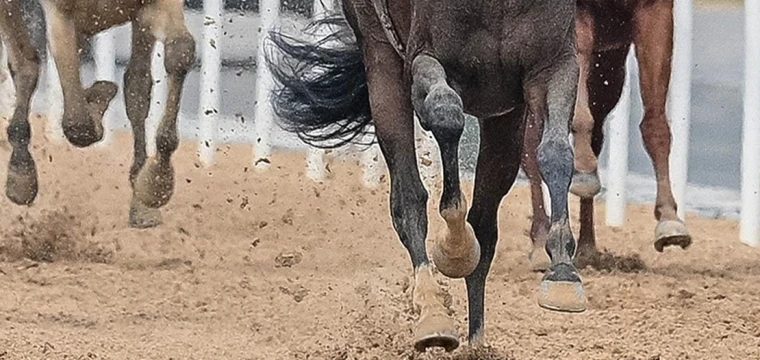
column 553, row 104
column 24, row 65
column 440, row 110
column 501, row 141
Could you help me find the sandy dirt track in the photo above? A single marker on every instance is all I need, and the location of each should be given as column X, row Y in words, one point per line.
column 274, row 266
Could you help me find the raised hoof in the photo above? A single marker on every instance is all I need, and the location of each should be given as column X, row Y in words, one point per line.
column 460, row 263
column 562, row 290
column 81, row 131
column 154, row 185
column 143, row 217
column 585, row 184
column 671, row 233
column 101, row 91
column 539, row 259
column 21, row 186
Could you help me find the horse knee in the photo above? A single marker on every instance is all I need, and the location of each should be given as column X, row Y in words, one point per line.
column 180, row 54
column 25, row 73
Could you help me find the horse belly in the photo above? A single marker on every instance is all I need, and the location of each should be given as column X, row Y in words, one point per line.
column 93, row 16
column 487, row 92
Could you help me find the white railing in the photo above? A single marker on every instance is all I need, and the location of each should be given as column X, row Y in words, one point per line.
column 679, row 102
column 749, row 232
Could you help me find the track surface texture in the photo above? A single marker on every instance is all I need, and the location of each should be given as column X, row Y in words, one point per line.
column 274, row 266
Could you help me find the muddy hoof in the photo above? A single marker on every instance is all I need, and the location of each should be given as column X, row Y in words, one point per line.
column 142, row 216
column 81, row 132
column 539, row 259
column 448, row 342
column 671, row 233
column 435, row 330
column 154, row 185
column 21, row 186
column 459, row 265
column 585, row 184
column 562, row 290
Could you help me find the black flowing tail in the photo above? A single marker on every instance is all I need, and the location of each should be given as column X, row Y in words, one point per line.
column 321, row 87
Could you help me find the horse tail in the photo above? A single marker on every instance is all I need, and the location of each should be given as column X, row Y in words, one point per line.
column 321, row 86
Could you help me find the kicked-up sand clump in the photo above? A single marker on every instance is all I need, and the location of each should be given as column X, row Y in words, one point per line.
column 52, row 236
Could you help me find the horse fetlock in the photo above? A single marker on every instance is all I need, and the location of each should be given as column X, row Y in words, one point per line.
column 21, row 183
column 560, row 244
column 167, row 142
column 585, row 185
column 154, row 184
column 671, row 233
column 180, row 54
column 435, row 327
column 457, row 252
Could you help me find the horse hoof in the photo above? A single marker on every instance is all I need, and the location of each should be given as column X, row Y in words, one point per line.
column 671, row 233
column 436, row 331
column 585, row 184
column 457, row 264
column 21, row 186
column 448, row 342
column 142, row 216
column 154, row 185
column 81, row 131
column 562, row 290
column 539, row 259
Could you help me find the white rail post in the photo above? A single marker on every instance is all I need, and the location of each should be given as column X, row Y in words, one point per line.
column 268, row 12
column 680, row 101
column 617, row 168
column 7, row 89
column 105, row 69
column 749, row 232
column 158, row 101
column 210, row 93
column 54, row 98
column 315, row 161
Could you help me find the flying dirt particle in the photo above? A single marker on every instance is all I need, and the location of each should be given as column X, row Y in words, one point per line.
column 299, row 293
column 183, row 231
column 188, row 180
column 244, row 202
column 685, row 294
column 263, row 224
column 229, row 200
column 197, row 206
column 255, row 242
column 426, row 162
column 288, row 217
column 288, row 259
